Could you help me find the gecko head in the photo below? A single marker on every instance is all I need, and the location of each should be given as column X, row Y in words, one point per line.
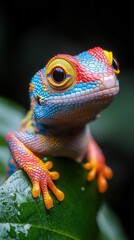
column 75, row 88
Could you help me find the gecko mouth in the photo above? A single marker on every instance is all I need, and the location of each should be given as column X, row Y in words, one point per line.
column 107, row 89
column 90, row 95
column 86, row 105
column 85, row 96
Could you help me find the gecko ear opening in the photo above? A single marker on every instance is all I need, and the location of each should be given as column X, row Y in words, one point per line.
column 60, row 73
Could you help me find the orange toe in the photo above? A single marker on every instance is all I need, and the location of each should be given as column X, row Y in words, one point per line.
column 102, row 183
column 54, row 175
column 87, row 165
column 48, row 200
column 60, row 195
column 36, row 190
column 91, row 175
column 49, row 165
column 108, row 173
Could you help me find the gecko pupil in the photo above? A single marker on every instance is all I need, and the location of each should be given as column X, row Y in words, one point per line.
column 115, row 64
column 58, row 75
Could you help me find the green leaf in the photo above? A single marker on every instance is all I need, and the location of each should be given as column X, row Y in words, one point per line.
column 74, row 218
column 11, row 115
column 4, row 156
column 109, row 225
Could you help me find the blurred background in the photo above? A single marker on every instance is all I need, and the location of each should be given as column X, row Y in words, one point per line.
column 31, row 34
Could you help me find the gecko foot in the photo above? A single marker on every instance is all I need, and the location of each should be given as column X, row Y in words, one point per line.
column 100, row 170
column 42, row 179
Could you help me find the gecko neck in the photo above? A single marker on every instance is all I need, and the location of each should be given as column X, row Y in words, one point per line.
column 54, row 129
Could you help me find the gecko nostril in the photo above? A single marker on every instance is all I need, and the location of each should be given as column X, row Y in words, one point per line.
column 109, row 81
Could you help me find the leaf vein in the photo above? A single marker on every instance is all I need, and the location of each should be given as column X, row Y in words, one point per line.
column 45, row 228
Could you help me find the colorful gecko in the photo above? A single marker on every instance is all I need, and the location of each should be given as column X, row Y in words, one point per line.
column 65, row 96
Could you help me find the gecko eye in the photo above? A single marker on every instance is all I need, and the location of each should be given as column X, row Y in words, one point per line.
column 113, row 61
column 115, row 65
column 60, row 73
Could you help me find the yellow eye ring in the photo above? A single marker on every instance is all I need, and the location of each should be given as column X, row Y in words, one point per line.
column 60, row 74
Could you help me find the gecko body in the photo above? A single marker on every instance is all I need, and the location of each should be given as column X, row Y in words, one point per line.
column 65, row 95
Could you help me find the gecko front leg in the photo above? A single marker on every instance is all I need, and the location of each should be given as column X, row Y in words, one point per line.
column 37, row 170
column 96, row 164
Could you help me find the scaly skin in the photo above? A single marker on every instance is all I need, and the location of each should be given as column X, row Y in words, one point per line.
column 65, row 96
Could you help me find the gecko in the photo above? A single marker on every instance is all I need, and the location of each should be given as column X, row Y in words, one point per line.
column 65, row 96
